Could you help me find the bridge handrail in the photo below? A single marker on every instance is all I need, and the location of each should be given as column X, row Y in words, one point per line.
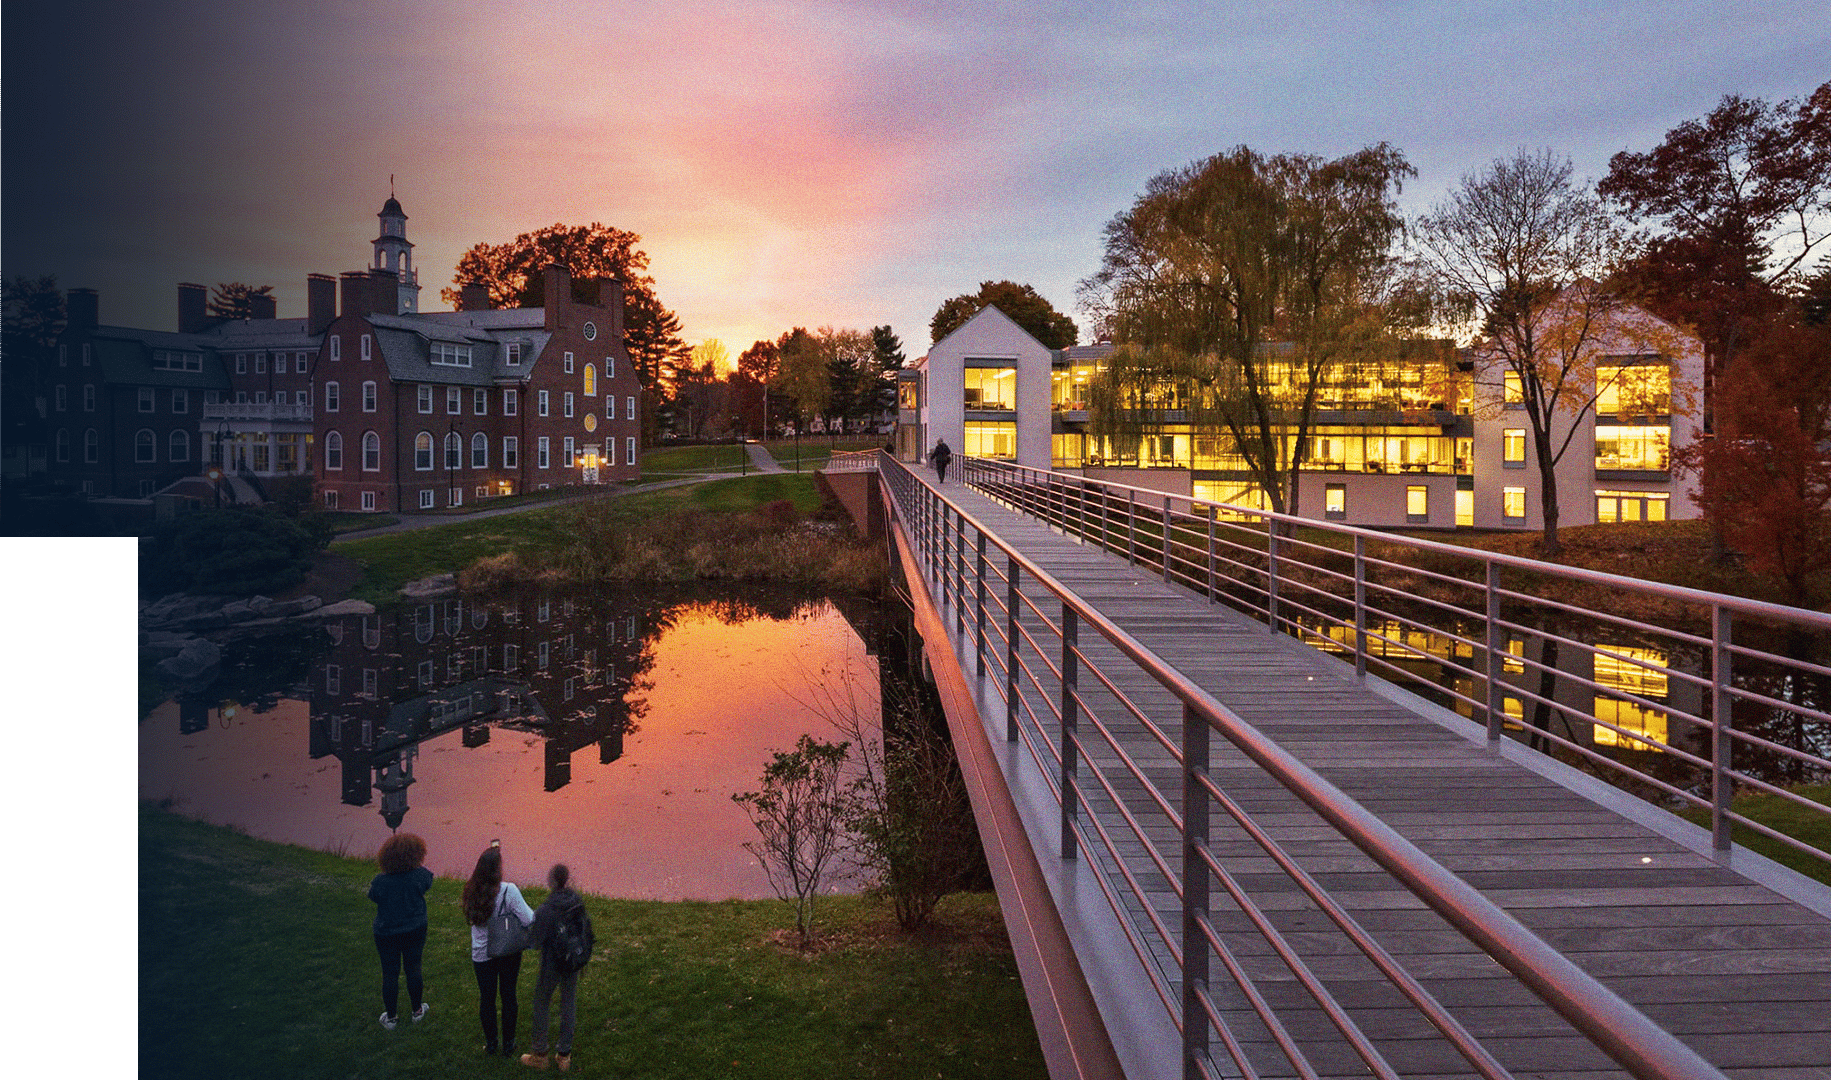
column 1610, row 1023
column 1262, row 567
column 852, row 461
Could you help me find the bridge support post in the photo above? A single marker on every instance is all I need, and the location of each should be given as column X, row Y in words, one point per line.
column 1011, row 614
column 1496, row 715
column 979, row 613
column 1070, row 758
column 1195, row 895
column 1722, row 718
column 1271, row 575
column 1360, row 608
column 1166, row 539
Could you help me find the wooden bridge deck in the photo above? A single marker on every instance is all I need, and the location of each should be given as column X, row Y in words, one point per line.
column 1738, row 972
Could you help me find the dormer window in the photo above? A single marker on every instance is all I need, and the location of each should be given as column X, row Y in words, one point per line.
column 447, row 354
column 512, row 355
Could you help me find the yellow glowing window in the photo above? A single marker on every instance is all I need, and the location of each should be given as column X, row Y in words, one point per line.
column 1417, row 503
column 1335, row 500
column 990, row 388
column 1513, row 446
column 1515, row 647
column 1512, row 392
column 1515, row 712
column 1513, row 503
column 1638, row 390
column 1637, row 671
column 591, row 380
column 906, row 394
column 991, row 440
column 1465, row 507
column 1642, row 448
column 1614, row 506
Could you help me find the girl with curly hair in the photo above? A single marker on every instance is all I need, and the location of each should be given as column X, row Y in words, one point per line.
column 399, row 892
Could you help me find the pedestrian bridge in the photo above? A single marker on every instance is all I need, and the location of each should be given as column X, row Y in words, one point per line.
column 1338, row 804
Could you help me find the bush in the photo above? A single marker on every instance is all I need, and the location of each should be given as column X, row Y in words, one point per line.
column 233, row 552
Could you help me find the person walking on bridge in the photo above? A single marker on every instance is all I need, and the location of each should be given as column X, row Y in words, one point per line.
column 939, row 457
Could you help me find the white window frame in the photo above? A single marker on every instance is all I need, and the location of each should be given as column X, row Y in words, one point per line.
column 480, row 401
column 511, row 452
column 511, row 401
column 333, row 398
column 629, row 407
column 479, row 451
column 368, row 500
column 629, row 450
column 336, row 347
column 371, row 449
column 333, row 450
column 368, row 349
column 370, row 399
column 543, row 453
column 454, row 401
column 428, row 500
column 568, row 363
column 541, row 402
column 566, row 405
column 425, row 399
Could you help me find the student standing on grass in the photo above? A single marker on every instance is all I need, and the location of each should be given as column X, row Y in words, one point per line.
column 399, row 892
column 562, row 933
column 487, row 895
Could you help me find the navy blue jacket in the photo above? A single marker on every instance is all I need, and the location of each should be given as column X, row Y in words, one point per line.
column 400, row 901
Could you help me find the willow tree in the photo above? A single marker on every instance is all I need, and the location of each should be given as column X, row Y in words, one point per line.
column 1237, row 289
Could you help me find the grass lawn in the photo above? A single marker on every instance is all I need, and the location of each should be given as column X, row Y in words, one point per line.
column 669, row 463
column 1783, row 816
column 257, row 960
column 393, row 560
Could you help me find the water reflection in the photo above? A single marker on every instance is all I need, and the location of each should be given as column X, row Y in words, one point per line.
column 607, row 728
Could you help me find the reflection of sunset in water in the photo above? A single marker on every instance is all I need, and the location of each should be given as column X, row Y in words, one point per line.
column 658, row 822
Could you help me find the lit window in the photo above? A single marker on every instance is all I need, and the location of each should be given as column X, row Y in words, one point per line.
column 1417, row 504
column 1513, row 448
column 1335, row 501
column 591, row 380
column 1640, row 449
column 1513, row 503
column 1512, row 391
column 1636, row 390
column 990, row 439
column 1614, row 506
column 422, row 451
column 990, row 388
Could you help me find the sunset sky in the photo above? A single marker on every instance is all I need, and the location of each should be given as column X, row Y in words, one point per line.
column 786, row 163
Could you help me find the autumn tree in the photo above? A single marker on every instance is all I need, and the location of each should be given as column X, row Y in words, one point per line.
column 849, row 364
column 1235, row 287
column 1022, row 303
column 1741, row 198
column 692, row 381
column 513, row 273
column 1764, row 479
column 1516, row 251
column 801, row 374
column 234, row 300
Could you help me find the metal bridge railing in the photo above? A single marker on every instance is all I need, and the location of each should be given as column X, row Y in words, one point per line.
column 851, row 461
column 1684, row 697
column 1035, row 642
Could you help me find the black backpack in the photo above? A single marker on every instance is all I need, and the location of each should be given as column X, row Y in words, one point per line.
column 570, row 946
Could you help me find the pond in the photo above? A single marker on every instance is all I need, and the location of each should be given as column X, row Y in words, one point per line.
column 607, row 729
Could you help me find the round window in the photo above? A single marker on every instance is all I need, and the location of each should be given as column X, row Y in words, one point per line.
column 591, row 331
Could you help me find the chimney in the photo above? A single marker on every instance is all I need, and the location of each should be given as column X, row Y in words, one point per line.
column 610, row 298
column 193, row 311
column 320, row 302
column 474, row 296
column 386, row 286
column 262, row 306
column 356, row 294
column 82, row 309
column 556, row 293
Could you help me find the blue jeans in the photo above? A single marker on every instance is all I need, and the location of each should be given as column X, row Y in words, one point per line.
column 397, row 950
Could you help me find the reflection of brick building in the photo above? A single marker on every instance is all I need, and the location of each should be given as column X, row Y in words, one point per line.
column 562, row 669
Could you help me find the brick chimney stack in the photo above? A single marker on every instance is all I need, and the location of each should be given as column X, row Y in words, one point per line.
column 262, row 306
column 82, row 309
column 474, row 296
column 610, row 298
column 356, row 294
column 386, row 292
column 556, row 293
column 193, row 308
column 320, row 302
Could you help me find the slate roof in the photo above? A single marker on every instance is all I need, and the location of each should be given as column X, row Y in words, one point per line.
column 405, row 344
column 125, row 356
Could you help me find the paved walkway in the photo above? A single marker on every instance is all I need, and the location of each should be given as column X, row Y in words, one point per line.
column 761, row 459
column 1735, row 970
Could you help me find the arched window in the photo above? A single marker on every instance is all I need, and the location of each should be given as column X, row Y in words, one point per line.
column 454, row 450
column 179, row 445
column 591, row 380
column 371, row 452
column 333, row 450
column 146, row 446
column 422, row 451
column 92, row 447
column 479, row 451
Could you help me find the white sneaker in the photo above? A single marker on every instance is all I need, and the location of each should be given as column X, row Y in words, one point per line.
column 420, row 1013
column 387, row 1021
